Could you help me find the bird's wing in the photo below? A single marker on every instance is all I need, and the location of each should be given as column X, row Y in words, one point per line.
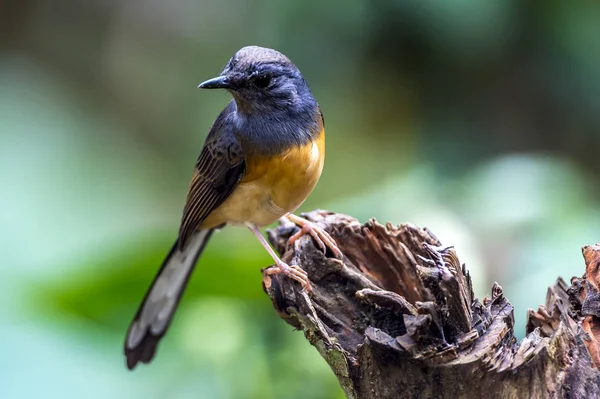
column 219, row 169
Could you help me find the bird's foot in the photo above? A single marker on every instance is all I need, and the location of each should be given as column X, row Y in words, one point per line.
column 292, row 271
column 321, row 237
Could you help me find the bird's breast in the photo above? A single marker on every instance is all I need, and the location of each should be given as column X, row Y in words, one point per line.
column 273, row 185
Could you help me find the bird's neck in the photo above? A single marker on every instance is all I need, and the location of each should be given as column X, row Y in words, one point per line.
column 273, row 131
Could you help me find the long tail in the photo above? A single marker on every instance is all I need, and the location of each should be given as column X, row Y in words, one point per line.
column 156, row 311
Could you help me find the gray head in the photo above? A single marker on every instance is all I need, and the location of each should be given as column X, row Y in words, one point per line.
column 263, row 80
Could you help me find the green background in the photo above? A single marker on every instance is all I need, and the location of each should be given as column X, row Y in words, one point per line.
column 479, row 120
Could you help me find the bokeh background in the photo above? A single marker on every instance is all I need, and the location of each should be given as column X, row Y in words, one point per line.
column 479, row 120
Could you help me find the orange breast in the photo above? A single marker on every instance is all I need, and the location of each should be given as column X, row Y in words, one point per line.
column 272, row 186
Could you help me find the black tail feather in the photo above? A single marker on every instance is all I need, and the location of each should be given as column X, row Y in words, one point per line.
column 152, row 319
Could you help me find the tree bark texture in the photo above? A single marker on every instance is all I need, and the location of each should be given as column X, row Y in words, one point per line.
column 397, row 318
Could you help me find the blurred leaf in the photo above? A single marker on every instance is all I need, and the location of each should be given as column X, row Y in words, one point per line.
column 109, row 289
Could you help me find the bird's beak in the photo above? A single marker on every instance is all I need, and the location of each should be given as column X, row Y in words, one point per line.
column 220, row 82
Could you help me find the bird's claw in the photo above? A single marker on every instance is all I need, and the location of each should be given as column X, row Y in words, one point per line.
column 292, row 271
column 321, row 237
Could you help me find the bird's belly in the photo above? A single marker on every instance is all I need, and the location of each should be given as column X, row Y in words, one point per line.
column 272, row 187
column 251, row 203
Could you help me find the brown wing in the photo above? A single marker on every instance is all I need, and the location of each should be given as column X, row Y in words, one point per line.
column 219, row 169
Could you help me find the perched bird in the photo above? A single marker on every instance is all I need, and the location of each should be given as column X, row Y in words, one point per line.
column 263, row 156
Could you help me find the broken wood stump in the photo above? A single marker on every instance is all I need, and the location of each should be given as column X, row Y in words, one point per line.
column 397, row 318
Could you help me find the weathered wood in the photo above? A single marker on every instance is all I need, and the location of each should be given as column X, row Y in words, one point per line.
column 397, row 318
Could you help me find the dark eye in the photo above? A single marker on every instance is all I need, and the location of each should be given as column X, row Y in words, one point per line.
column 262, row 81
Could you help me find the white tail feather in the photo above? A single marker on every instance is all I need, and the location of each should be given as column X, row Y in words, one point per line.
column 159, row 306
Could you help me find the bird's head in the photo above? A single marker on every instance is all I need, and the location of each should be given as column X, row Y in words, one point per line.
column 263, row 80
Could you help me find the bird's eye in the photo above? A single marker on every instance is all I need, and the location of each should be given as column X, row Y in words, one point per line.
column 262, row 81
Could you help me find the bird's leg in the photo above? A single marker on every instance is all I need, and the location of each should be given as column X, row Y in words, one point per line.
column 292, row 271
column 321, row 237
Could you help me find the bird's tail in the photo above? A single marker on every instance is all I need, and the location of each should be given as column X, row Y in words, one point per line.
column 156, row 311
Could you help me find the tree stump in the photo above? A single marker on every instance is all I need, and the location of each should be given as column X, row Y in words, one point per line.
column 397, row 318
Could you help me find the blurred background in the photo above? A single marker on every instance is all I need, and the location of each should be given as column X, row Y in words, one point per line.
column 479, row 120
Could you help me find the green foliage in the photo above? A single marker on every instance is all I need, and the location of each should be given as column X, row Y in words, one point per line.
column 114, row 284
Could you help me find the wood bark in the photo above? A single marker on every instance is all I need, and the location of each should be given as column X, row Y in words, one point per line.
column 397, row 318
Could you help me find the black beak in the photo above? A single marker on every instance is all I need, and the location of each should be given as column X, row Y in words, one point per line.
column 220, row 82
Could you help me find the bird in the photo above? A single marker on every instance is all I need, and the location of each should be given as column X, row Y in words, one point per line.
column 263, row 156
